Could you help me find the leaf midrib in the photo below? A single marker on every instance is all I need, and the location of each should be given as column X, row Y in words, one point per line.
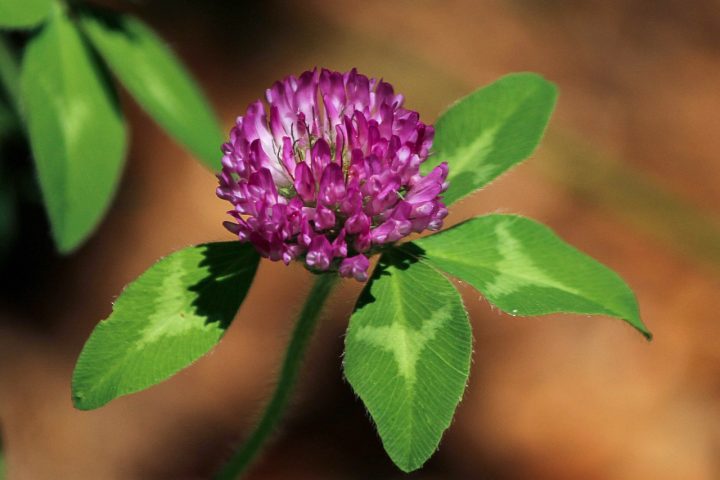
column 409, row 386
column 55, row 27
column 110, row 373
column 583, row 294
column 501, row 119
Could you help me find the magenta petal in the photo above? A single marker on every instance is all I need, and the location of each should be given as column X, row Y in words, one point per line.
column 288, row 156
column 324, row 218
column 304, row 182
column 319, row 254
column 320, row 156
column 356, row 267
column 262, row 185
column 306, row 234
column 332, row 185
column 429, row 187
column 339, row 143
column 340, row 245
column 276, row 126
column 357, row 223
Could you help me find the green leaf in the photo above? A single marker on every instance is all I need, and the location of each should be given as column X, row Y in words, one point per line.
column 9, row 72
column 76, row 130
column 23, row 13
column 407, row 355
column 7, row 206
column 150, row 71
column 8, row 125
column 169, row 317
column 523, row 268
column 491, row 130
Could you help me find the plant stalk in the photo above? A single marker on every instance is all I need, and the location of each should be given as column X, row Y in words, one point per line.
column 304, row 328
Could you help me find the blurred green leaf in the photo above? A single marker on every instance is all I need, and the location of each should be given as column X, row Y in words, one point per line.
column 8, row 189
column 76, row 129
column 23, row 13
column 491, row 130
column 8, row 124
column 158, row 81
column 163, row 321
column 523, row 268
column 9, row 72
column 407, row 355
column 7, row 212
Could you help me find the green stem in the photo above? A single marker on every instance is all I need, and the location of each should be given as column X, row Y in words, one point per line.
column 304, row 328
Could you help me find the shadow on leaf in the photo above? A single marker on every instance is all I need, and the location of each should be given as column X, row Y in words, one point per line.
column 230, row 269
column 400, row 258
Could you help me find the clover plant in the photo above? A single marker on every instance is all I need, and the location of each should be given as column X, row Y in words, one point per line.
column 333, row 171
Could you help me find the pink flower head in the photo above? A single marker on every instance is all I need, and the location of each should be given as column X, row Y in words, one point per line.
column 327, row 172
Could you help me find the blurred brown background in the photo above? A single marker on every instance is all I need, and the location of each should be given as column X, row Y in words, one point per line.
column 628, row 172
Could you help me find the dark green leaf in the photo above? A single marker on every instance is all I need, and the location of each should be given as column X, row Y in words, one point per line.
column 523, row 268
column 9, row 72
column 8, row 125
column 76, row 130
column 158, row 81
column 173, row 314
column 7, row 206
column 23, row 13
column 491, row 130
column 407, row 355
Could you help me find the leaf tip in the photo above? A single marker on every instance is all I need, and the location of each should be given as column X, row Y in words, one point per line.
column 635, row 321
column 407, row 468
column 645, row 332
column 407, row 462
column 78, row 401
column 85, row 401
column 67, row 246
column 68, row 240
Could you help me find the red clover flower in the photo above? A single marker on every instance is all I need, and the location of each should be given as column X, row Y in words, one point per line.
column 328, row 172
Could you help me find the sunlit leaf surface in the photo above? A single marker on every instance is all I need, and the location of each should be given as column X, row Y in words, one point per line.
column 407, row 355
column 491, row 130
column 523, row 268
column 170, row 316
